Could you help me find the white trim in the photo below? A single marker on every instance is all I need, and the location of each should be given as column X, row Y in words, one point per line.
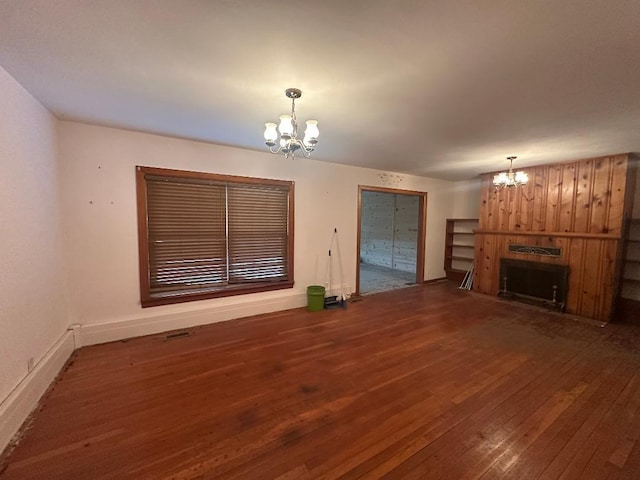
column 152, row 323
column 15, row 409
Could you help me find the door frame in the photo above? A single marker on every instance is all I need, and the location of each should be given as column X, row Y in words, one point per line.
column 422, row 228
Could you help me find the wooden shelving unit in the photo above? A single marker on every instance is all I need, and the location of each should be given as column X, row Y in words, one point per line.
column 630, row 282
column 628, row 302
column 459, row 247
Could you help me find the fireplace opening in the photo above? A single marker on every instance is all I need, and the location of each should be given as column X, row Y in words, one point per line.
column 538, row 283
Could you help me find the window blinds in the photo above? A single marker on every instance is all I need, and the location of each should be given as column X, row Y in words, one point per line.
column 258, row 236
column 187, row 234
column 207, row 235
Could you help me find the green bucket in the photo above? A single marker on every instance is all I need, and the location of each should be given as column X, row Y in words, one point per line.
column 315, row 298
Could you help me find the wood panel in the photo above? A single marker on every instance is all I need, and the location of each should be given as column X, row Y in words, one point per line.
column 515, row 202
column 539, row 198
column 591, row 270
column 493, row 216
column 621, row 203
column 554, row 190
column 425, row 383
column 609, row 278
column 525, row 221
column 485, row 274
column 578, row 206
column 582, row 211
column 586, row 196
column 503, row 209
column 600, row 195
column 578, row 252
column 485, row 201
column 568, row 199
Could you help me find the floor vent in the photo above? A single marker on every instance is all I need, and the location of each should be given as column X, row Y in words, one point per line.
column 174, row 335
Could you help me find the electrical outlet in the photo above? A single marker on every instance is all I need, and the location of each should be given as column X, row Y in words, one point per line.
column 30, row 364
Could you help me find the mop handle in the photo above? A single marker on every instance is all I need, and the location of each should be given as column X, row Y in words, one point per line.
column 335, row 234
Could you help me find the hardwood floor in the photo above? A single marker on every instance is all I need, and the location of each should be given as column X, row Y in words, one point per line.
column 425, row 382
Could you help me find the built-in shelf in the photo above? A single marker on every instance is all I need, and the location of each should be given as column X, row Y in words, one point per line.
column 459, row 247
column 630, row 284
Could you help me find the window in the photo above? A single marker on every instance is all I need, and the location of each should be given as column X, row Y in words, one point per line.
column 204, row 235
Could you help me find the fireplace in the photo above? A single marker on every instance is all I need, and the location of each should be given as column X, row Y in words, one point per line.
column 538, row 283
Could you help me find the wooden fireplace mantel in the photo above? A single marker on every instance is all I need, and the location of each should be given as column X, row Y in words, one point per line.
column 602, row 236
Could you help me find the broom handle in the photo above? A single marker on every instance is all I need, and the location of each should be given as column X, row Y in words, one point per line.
column 328, row 270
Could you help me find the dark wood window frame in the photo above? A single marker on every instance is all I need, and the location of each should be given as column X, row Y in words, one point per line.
column 239, row 233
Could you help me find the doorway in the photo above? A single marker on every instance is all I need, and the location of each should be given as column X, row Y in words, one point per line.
column 391, row 239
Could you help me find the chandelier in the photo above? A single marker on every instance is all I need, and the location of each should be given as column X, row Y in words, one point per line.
column 510, row 178
column 289, row 142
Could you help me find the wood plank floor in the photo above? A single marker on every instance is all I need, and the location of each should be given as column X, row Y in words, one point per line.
column 426, row 382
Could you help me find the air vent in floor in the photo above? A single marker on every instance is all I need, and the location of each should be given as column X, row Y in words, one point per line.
column 174, row 335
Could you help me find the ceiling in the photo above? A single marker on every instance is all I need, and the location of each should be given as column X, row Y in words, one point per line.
column 444, row 89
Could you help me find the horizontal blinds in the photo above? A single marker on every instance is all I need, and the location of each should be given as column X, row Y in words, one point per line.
column 258, row 233
column 186, row 234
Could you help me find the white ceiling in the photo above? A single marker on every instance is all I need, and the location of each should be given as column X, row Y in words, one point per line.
column 441, row 88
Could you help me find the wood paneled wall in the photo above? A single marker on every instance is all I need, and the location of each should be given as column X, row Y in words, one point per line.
column 578, row 206
column 389, row 233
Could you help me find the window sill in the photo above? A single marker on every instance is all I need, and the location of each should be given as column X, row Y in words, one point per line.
column 178, row 297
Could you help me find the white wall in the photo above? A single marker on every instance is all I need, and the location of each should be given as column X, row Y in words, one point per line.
column 99, row 204
column 466, row 201
column 33, row 294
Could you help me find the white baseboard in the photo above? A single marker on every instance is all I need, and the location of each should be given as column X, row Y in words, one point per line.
column 15, row 409
column 151, row 323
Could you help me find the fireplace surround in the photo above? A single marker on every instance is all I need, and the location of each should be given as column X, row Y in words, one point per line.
column 538, row 283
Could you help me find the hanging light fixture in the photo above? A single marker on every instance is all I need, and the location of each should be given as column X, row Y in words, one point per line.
column 510, row 178
column 289, row 142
